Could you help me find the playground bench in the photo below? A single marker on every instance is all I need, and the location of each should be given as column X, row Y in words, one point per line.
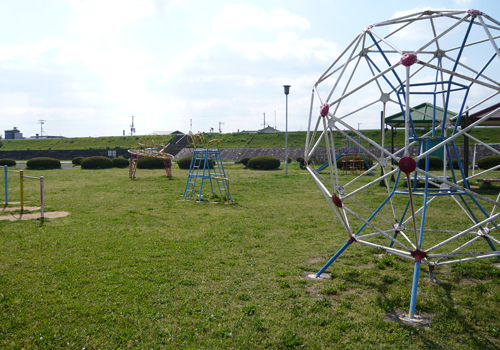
column 486, row 183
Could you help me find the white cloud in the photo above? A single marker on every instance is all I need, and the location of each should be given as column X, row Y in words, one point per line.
column 107, row 17
column 31, row 51
column 238, row 16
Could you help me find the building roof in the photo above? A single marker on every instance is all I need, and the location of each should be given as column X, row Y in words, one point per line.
column 421, row 116
column 494, row 120
column 176, row 132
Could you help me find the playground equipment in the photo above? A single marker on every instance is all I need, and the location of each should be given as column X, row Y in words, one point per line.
column 22, row 177
column 351, row 157
column 150, row 150
column 206, row 164
column 419, row 57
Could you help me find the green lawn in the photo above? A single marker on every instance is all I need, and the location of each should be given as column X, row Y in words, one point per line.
column 135, row 266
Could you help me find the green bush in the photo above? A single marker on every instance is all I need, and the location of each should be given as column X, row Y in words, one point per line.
column 43, row 163
column 245, row 160
column 435, row 163
column 346, row 161
column 264, row 163
column 488, row 162
column 97, row 162
column 302, row 162
column 8, row 162
column 455, row 163
column 150, row 163
column 185, row 163
column 77, row 160
column 120, row 162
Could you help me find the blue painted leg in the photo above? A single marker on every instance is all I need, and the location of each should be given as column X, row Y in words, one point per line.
column 340, row 251
column 413, row 302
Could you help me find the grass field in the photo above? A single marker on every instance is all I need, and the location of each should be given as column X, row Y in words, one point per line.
column 231, row 140
column 135, row 266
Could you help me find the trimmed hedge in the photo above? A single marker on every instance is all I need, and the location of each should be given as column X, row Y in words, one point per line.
column 455, row 163
column 120, row 162
column 8, row 162
column 302, row 162
column 488, row 162
column 150, row 163
column 264, row 163
column 97, row 162
column 435, row 163
column 349, row 164
column 77, row 160
column 43, row 163
column 185, row 163
column 245, row 160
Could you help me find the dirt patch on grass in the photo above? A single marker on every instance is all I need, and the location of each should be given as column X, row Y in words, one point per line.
column 47, row 215
column 400, row 316
column 316, row 259
column 7, row 209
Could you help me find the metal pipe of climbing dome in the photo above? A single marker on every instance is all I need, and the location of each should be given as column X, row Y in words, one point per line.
column 340, row 251
column 413, row 300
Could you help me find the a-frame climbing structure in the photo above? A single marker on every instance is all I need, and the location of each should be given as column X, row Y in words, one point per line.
column 206, row 164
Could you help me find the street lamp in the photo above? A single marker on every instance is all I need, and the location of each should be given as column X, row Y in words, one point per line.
column 287, row 91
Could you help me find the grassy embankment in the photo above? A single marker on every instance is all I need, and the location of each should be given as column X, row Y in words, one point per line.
column 134, row 266
column 234, row 140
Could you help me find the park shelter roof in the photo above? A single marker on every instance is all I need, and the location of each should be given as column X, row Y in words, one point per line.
column 494, row 120
column 421, row 116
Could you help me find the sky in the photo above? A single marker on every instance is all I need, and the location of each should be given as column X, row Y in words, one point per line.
column 85, row 67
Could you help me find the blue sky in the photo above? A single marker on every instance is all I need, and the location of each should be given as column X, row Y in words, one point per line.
column 86, row 67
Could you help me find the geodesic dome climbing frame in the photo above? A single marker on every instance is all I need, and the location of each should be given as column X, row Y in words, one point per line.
column 449, row 58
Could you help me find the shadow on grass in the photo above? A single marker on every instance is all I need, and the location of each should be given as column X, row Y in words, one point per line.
column 449, row 320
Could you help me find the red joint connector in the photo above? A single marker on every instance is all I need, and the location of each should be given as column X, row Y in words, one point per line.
column 474, row 13
column 352, row 239
column 407, row 165
column 336, row 200
column 408, row 59
column 325, row 107
column 431, row 268
column 418, row 255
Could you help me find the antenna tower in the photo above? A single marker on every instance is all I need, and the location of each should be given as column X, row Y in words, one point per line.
column 132, row 128
column 41, row 122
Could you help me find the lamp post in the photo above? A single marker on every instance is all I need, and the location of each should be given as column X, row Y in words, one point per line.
column 287, row 91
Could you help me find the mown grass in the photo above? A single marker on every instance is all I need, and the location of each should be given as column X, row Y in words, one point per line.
column 230, row 140
column 135, row 266
column 109, row 142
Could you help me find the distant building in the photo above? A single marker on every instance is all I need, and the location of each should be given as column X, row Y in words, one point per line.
column 269, row 130
column 266, row 130
column 37, row 136
column 176, row 132
column 13, row 134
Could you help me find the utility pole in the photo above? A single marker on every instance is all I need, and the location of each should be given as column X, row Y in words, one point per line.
column 132, row 128
column 287, row 91
column 264, row 120
column 41, row 122
column 220, row 127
